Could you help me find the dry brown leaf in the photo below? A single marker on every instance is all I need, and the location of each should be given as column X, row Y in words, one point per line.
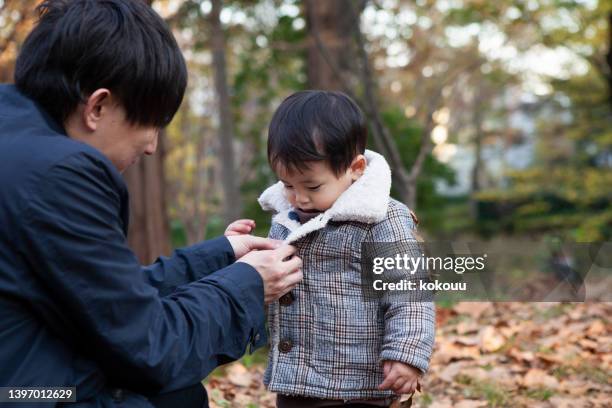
column 466, row 340
column 238, row 375
column 588, row 344
column 561, row 401
column 596, row 328
column 473, row 309
column 477, row 373
column 576, row 387
column 491, row 340
column 527, row 356
column 536, row 378
column 449, row 372
column 467, row 327
column 447, row 352
column 471, row 404
column 441, row 403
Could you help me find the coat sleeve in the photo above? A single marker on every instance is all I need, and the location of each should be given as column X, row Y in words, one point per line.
column 189, row 264
column 409, row 320
column 73, row 237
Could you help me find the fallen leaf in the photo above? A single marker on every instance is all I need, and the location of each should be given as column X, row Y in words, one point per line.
column 442, row 403
column 491, row 340
column 517, row 354
column 561, row 401
column 536, row 378
column 471, row 404
column 467, row 327
column 449, row 372
column 596, row 328
column 473, row 309
column 238, row 375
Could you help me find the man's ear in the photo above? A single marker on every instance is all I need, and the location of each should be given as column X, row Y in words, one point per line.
column 358, row 166
column 95, row 107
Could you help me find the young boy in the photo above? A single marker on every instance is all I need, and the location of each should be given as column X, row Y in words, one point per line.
column 329, row 346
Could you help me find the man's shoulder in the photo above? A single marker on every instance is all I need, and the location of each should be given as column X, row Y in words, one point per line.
column 32, row 149
column 31, row 142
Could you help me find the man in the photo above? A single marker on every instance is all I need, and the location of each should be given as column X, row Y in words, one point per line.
column 95, row 81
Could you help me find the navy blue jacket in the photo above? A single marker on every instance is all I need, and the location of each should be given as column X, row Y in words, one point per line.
column 76, row 307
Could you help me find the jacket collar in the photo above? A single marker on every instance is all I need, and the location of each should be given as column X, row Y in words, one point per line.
column 366, row 200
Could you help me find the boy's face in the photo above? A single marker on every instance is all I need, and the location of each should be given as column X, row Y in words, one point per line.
column 316, row 188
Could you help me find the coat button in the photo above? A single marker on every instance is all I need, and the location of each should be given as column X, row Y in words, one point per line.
column 257, row 337
column 285, row 346
column 286, row 299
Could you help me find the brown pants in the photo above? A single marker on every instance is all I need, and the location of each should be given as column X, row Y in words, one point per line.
column 292, row 401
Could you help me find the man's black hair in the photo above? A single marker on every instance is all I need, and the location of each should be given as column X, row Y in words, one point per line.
column 79, row 46
column 316, row 126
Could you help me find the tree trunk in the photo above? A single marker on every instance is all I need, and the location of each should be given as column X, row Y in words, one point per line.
column 609, row 58
column 231, row 183
column 478, row 136
column 329, row 53
column 149, row 231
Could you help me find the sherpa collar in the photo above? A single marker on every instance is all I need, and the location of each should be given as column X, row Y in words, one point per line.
column 366, row 200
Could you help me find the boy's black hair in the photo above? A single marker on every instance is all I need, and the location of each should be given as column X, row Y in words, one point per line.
column 79, row 46
column 316, row 126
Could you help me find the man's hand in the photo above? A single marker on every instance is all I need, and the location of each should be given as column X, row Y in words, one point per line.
column 400, row 377
column 240, row 227
column 280, row 271
column 243, row 244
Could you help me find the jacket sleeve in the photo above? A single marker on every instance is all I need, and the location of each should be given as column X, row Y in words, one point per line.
column 73, row 237
column 409, row 319
column 189, row 264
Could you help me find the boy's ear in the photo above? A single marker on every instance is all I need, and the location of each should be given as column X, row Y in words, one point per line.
column 358, row 166
column 94, row 107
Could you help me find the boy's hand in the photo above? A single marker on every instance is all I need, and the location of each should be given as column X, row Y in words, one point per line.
column 400, row 377
column 239, row 227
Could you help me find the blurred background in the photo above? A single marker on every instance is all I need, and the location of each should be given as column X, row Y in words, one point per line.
column 495, row 117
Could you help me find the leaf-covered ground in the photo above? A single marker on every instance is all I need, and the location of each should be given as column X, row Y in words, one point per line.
column 487, row 355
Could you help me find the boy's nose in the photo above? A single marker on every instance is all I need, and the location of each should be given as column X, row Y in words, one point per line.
column 301, row 200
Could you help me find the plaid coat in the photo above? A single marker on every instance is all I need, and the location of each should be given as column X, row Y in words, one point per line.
column 326, row 340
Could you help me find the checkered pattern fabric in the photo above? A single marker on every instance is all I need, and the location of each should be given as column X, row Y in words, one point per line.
column 337, row 339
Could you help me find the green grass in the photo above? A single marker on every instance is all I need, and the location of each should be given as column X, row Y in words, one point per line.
column 541, row 394
column 426, row 399
column 495, row 395
column 259, row 357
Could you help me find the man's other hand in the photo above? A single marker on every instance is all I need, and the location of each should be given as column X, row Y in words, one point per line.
column 279, row 269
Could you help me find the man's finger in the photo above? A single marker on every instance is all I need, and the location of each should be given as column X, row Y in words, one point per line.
column 294, row 278
column 286, row 251
column 293, row 264
column 261, row 243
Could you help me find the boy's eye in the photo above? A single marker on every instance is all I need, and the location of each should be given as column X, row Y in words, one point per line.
column 314, row 188
column 288, row 187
